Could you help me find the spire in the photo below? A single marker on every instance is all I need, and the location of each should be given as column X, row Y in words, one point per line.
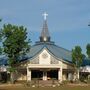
column 45, row 33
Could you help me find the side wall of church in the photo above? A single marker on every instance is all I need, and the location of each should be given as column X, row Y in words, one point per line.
column 67, row 66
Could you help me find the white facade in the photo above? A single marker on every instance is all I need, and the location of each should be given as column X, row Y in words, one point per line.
column 45, row 62
column 44, row 58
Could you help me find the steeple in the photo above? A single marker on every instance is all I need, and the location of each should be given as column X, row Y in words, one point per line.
column 45, row 37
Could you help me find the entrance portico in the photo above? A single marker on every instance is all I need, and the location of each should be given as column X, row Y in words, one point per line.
column 44, row 73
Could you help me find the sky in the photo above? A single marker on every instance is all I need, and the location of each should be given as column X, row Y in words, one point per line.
column 67, row 19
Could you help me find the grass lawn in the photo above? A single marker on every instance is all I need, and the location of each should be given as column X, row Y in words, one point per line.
column 66, row 87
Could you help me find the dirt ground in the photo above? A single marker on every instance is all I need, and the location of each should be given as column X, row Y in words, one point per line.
column 65, row 87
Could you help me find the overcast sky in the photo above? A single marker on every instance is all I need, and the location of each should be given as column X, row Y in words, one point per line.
column 67, row 19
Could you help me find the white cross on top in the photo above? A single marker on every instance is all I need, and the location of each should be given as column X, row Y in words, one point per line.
column 45, row 15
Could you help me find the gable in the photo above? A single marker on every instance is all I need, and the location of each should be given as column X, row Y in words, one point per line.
column 44, row 57
column 55, row 51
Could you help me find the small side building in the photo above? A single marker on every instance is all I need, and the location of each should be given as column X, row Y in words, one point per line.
column 85, row 69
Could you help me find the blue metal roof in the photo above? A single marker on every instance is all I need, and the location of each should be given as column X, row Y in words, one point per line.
column 3, row 60
column 86, row 62
column 34, row 50
column 60, row 52
column 57, row 51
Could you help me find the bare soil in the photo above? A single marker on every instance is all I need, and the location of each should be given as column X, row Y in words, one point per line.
column 64, row 87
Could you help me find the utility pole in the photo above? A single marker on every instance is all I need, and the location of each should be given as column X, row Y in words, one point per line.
column 0, row 19
column 89, row 24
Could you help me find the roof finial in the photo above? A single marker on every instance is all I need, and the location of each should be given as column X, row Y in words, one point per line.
column 45, row 33
column 45, row 15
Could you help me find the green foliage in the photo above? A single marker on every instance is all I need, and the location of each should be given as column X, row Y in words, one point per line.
column 88, row 50
column 0, row 35
column 0, row 50
column 15, row 42
column 10, row 69
column 0, row 39
column 77, row 56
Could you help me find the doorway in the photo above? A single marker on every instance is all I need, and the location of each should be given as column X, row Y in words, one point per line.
column 52, row 74
column 37, row 74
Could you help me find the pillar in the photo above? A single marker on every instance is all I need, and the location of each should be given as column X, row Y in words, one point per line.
column 44, row 75
column 60, row 74
column 28, row 74
column 70, row 76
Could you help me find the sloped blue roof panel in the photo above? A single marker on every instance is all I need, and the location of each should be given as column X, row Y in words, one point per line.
column 60, row 52
column 34, row 50
column 55, row 50
column 86, row 62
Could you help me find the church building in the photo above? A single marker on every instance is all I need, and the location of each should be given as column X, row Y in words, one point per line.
column 46, row 60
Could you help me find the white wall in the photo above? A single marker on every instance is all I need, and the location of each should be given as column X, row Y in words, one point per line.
column 44, row 57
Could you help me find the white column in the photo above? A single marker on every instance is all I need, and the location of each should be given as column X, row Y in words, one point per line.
column 74, row 76
column 44, row 75
column 70, row 76
column 60, row 74
column 28, row 74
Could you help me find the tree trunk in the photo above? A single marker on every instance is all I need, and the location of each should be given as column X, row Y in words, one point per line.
column 12, row 77
column 77, row 74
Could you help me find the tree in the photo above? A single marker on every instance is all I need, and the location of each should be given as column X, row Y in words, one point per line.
column 88, row 50
column 15, row 44
column 0, row 39
column 77, row 57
